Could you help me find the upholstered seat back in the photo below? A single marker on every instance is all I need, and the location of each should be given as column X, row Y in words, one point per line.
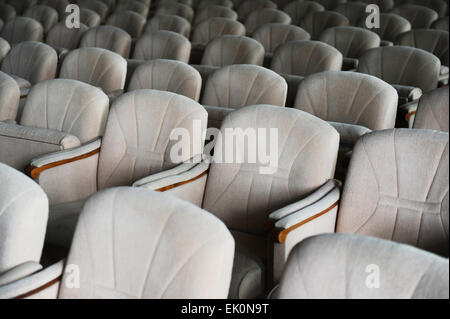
column 95, row 66
column 7, row 12
column 22, row 29
column 233, row 49
column 62, row 37
column 237, row 86
column 261, row 17
column 319, row 21
column 135, row 6
column 23, row 219
column 216, row 27
column 97, row 6
column 59, row 5
column 9, row 97
column 352, row 42
column 45, row 15
column 107, row 37
column 397, row 189
column 432, row 112
column 353, row 11
column 306, row 57
column 420, row 17
column 163, row 45
column 346, row 265
column 167, row 75
column 178, row 9
column 403, row 66
column 90, row 18
column 132, row 22
column 304, row 150
column 173, row 23
column 298, row 10
column 214, row 11
column 249, row 6
column 349, row 97
column 32, row 61
column 67, row 106
column 137, row 141
column 391, row 25
column 272, row 35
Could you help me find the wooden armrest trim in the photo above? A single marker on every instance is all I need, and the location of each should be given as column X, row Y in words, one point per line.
column 34, row 172
column 169, row 187
column 39, row 289
column 281, row 234
column 409, row 115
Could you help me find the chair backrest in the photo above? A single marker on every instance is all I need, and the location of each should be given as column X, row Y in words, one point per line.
column 107, row 37
column 349, row 97
column 163, row 45
column 298, row 10
column 353, row 11
column 233, row 49
column 420, row 17
column 248, row 6
column 341, row 270
column 59, row 5
column 391, row 25
column 207, row 3
column 306, row 57
column 7, row 12
column 403, row 66
column 4, row 49
column 23, row 219
column 432, row 112
column 67, row 106
column 397, row 189
column 434, row 41
column 45, row 15
column 90, row 18
column 237, row 86
column 137, row 140
column 272, row 35
column 263, row 16
column 330, row 4
column 9, row 97
column 167, row 75
column 134, row 6
column 97, row 67
column 440, row 6
column 178, row 9
column 216, row 27
column 303, row 153
column 352, row 42
column 32, row 61
column 126, row 239
column 97, row 6
column 22, row 29
column 132, row 22
column 161, row 22
column 62, row 37
column 441, row 24
column 20, row 5
column 384, row 5
column 214, row 11
column 317, row 22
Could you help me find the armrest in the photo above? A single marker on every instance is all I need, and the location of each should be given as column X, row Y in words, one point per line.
column 216, row 114
column 385, row 43
column 43, row 284
column 43, row 163
column 349, row 133
column 407, row 93
column 350, row 64
column 19, row 272
column 24, row 93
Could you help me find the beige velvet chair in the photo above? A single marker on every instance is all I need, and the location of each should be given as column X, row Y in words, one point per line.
column 22, row 29
column 263, row 16
column 391, row 26
column 131, row 22
column 318, row 21
column 298, row 10
column 420, row 17
column 9, row 97
column 432, row 112
column 214, row 11
column 161, row 22
column 45, row 15
column 107, row 37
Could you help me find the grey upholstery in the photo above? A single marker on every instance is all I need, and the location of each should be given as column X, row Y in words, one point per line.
column 432, row 112
column 233, row 49
column 97, row 6
column 346, row 265
column 4, row 49
column 349, row 97
column 45, row 15
column 132, row 22
column 441, row 24
column 62, row 37
column 384, row 5
column 214, row 11
column 330, row 4
column 402, row 66
column 178, row 9
column 243, row 198
column 22, row 29
column 134, row 6
column 107, row 37
column 163, row 45
column 172, row 23
column 298, row 10
column 126, row 242
column 20, row 5
column 420, row 17
column 90, row 18
column 9, row 97
column 248, row 6
column 440, row 6
column 31, row 61
column 59, row 5
column 215, row 27
column 167, row 75
column 261, row 17
column 353, row 11
column 7, row 12
column 97, row 67
column 272, row 35
column 391, row 25
column 317, row 22
column 23, row 219
column 222, row 3
column 397, row 189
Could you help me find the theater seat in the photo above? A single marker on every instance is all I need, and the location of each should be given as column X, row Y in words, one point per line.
column 167, row 75
column 213, row 28
column 353, row 11
column 178, row 9
column 107, row 37
column 90, row 18
column 23, row 219
column 142, row 227
column 441, row 24
column 222, row 3
column 45, row 15
column 136, row 143
column 391, row 25
column 298, row 10
column 352, row 42
column 4, row 49
column 432, row 112
column 98, row 67
column 20, row 5
column 63, row 39
column 9, row 97
column 297, row 59
column 261, row 17
column 22, row 29
column 161, row 22
column 330, row 4
column 59, row 5
column 243, row 198
column 134, row 6
column 440, row 6
column 420, row 17
column 129, row 21
column 317, row 22
column 58, row 115
column 236, row 86
column 248, row 6
column 214, row 11
column 345, row 264
column 7, row 12
column 97, row 6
